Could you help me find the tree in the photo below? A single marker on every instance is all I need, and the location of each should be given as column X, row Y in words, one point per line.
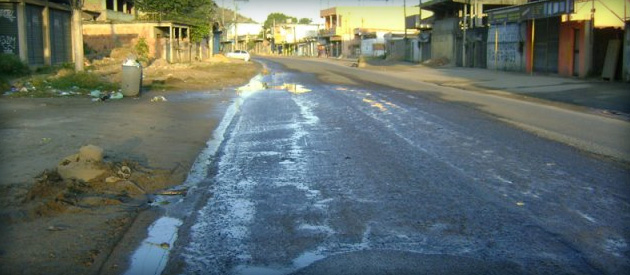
column 170, row 8
column 200, row 14
column 305, row 21
column 278, row 17
column 77, row 33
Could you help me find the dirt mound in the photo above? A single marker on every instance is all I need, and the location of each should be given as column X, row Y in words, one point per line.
column 436, row 62
column 51, row 194
column 219, row 58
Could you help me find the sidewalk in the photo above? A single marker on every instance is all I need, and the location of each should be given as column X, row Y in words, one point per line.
column 609, row 98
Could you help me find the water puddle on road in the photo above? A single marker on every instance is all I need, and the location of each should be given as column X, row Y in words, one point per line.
column 152, row 255
column 293, row 88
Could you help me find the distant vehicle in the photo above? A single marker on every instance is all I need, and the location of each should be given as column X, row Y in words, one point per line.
column 239, row 54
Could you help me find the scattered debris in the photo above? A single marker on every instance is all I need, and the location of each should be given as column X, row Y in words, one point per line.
column 180, row 192
column 95, row 93
column 124, row 172
column 116, row 95
column 113, row 179
column 158, row 99
column 57, row 228
column 436, row 62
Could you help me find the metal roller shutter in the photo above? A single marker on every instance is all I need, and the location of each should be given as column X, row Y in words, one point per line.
column 546, row 45
column 35, row 35
column 8, row 29
column 60, row 39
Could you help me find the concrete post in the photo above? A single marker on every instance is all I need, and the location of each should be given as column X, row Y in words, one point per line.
column 464, row 37
column 170, row 43
column 588, row 49
column 626, row 48
column 46, row 26
column 21, row 23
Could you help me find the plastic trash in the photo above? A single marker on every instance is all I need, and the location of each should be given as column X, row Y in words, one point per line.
column 95, row 93
column 117, row 95
column 131, row 62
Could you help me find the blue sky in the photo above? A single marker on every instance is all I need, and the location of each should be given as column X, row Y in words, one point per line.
column 259, row 9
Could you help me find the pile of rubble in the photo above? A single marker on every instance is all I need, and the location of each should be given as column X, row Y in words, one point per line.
column 84, row 181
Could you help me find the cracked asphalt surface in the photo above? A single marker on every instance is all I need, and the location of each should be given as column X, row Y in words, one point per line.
column 320, row 178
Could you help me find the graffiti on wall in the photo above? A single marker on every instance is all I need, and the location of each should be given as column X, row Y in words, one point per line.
column 8, row 31
column 7, row 14
column 8, row 44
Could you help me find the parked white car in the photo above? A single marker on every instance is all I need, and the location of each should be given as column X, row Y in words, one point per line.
column 239, row 54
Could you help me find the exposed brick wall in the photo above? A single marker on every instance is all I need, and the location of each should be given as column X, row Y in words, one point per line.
column 102, row 38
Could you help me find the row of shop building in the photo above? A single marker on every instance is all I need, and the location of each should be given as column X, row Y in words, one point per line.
column 581, row 38
column 565, row 37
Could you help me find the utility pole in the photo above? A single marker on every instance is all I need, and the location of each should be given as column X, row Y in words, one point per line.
column 405, row 21
column 236, row 21
column 419, row 14
column 464, row 37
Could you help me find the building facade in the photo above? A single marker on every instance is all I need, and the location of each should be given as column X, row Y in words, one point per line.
column 296, row 39
column 39, row 32
column 564, row 37
column 239, row 36
column 110, row 10
column 458, row 33
column 339, row 34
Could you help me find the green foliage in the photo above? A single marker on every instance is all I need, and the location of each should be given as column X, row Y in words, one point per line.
column 197, row 13
column 142, row 49
column 54, row 69
column 83, row 81
column 199, row 32
column 174, row 8
column 5, row 85
column 11, row 64
column 305, row 21
column 279, row 19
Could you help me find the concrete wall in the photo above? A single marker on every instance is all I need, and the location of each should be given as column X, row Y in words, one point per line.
column 94, row 5
column 566, row 59
column 368, row 49
column 508, row 53
column 443, row 39
column 103, row 37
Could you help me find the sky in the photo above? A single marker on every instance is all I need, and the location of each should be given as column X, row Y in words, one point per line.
column 259, row 9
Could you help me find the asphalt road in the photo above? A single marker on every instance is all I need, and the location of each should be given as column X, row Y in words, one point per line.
column 350, row 177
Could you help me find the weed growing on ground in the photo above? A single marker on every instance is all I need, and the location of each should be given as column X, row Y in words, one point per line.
column 11, row 65
column 82, row 81
column 72, row 83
